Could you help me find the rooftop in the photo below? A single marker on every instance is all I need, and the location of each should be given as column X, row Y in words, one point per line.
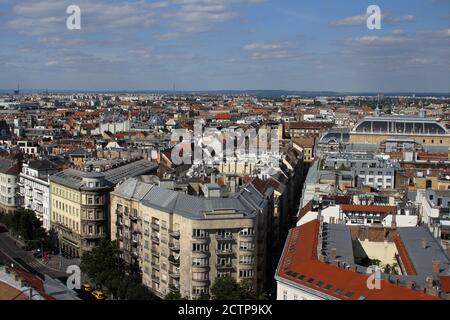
column 300, row 266
column 247, row 202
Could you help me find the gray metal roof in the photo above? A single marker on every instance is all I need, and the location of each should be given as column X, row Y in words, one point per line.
column 420, row 257
column 74, row 178
column 248, row 201
column 338, row 236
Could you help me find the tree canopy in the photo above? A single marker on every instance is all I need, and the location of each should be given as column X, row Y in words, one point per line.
column 105, row 267
column 24, row 223
column 227, row 288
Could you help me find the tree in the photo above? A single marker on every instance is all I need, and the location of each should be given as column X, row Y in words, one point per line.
column 173, row 296
column 104, row 265
column 25, row 224
column 226, row 288
column 106, row 268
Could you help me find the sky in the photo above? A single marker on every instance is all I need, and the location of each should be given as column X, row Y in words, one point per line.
column 310, row 45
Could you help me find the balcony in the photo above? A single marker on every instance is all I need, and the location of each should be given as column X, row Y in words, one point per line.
column 224, row 237
column 119, row 236
column 155, row 265
column 175, row 261
column 174, row 274
column 174, row 233
column 174, row 287
column 134, row 242
column 225, row 267
column 155, row 239
column 155, row 254
column 119, row 223
column 155, row 279
column 248, row 249
column 155, row 226
column 200, row 280
column 200, row 237
column 93, row 236
column 174, row 247
column 133, row 218
column 246, row 235
column 119, row 213
column 224, row 252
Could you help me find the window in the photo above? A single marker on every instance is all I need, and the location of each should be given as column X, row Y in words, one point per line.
column 199, row 247
column 284, row 295
column 246, row 273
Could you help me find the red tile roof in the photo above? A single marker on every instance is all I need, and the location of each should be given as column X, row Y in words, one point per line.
column 363, row 208
column 300, row 258
column 404, row 257
column 445, row 283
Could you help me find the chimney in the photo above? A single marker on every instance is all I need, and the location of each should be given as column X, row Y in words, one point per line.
column 429, row 281
column 333, row 253
column 411, row 285
column 436, row 266
column 424, row 243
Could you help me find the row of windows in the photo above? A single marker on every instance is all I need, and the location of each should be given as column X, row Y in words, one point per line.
column 66, row 208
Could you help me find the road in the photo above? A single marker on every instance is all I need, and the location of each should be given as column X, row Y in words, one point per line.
column 11, row 253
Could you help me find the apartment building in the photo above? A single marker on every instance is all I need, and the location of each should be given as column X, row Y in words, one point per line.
column 372, row 170
column 182, row 243
column 34, row 187
column 9, row 172
column 80, row 204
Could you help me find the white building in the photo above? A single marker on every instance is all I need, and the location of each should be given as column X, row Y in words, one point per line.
column 9, row 171
column 35, row 188
column 364, row 215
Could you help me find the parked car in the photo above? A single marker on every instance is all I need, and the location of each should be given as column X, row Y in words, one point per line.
column 98, row 295
column 86, row 287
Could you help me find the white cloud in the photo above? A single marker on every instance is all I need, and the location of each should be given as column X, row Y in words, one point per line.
column 361, row 20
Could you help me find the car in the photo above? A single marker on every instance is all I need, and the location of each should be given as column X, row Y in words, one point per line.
column 97, row 294
column 86, row 287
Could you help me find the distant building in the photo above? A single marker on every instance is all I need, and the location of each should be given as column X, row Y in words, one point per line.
column 375, row 130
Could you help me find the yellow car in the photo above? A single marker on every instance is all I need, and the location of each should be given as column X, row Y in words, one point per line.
column 86, row 287
column 98, row 295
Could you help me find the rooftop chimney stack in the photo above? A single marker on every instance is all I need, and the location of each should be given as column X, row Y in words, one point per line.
column 436, row 266
column 424, row 243
column 333, row 253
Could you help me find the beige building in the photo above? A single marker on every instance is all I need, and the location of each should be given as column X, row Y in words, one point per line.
column 80, row 204
column 182, row 243
column 79, row 209
column 424, row 131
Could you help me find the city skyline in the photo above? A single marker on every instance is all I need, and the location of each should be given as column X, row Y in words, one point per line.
column 199, row 45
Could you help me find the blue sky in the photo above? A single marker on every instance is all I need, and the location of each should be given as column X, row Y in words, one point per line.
column 226, row 44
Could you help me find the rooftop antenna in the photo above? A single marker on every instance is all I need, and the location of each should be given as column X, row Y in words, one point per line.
column 422, row 110
column 377, row 110
column 17, row 92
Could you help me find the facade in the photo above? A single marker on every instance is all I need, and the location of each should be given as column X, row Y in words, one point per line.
column 9, row 190
column 35, row 188
column 182, row 243
column 80, row 204
column 375, row 171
